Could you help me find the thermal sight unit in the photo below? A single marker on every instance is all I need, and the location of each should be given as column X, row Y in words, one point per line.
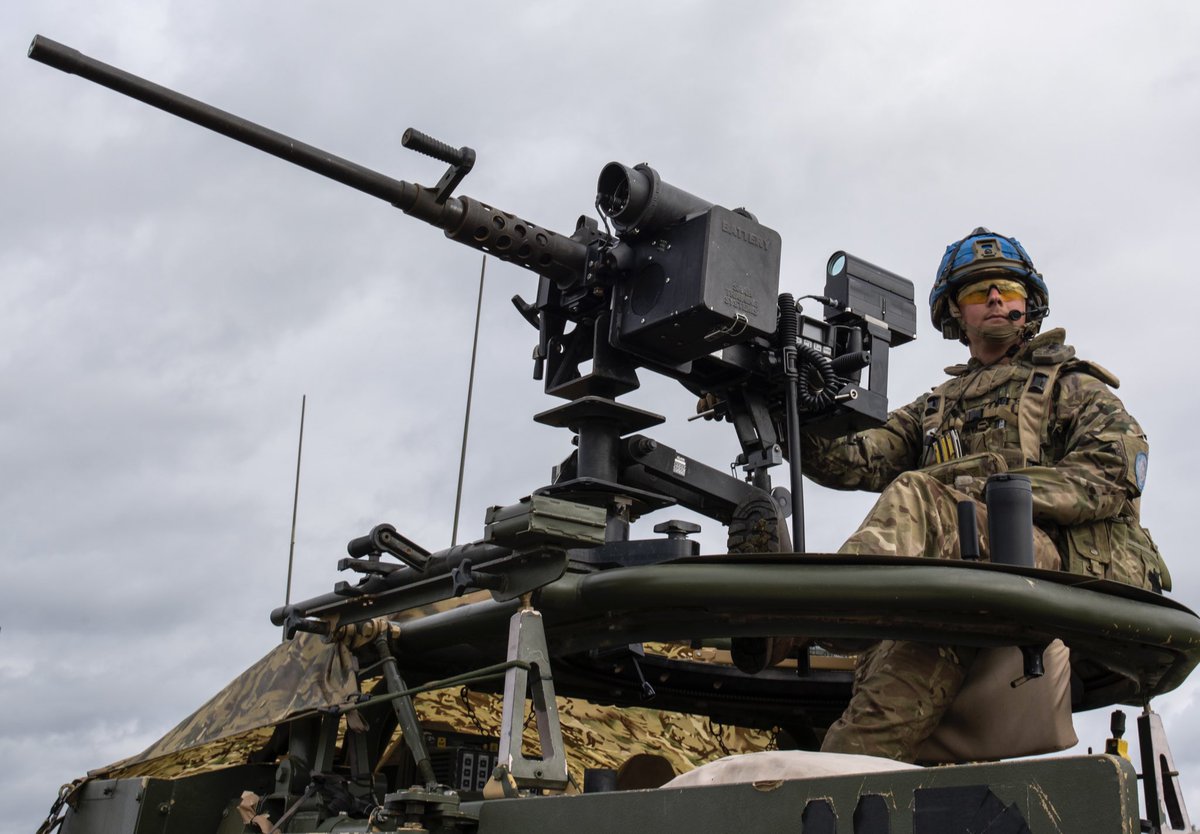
column 700, row 277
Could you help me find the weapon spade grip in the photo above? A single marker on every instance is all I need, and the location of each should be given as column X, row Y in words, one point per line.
column 415, row 140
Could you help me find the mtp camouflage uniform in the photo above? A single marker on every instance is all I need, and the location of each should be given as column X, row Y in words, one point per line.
column 1044, row 414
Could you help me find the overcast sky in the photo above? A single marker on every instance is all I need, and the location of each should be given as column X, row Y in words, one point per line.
column 167, row 296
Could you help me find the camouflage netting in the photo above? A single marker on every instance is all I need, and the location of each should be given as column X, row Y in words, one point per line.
column 297, row 677
column 605, row 736
column 307, row 674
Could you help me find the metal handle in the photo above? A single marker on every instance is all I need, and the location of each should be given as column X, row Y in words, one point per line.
column 415, row 140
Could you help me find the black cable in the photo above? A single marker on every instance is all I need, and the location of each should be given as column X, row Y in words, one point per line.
column 818, row 381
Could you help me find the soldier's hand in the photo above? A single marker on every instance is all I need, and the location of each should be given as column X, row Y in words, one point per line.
column 706, row 407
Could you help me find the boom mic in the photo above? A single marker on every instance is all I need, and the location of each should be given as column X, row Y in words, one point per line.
column 1033, row 313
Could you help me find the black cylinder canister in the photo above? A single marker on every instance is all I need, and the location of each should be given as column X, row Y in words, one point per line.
column 1010, row 519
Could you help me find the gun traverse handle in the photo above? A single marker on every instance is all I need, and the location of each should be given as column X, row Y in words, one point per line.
column 415, row 140
column 461, row 160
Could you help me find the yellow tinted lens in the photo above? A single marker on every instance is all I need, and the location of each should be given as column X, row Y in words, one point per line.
column 978, row 293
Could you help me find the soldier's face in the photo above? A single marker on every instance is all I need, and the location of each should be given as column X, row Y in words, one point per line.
column 991, row 314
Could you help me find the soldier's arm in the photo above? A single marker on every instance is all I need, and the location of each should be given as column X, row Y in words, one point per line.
column 868, row 460
column 1096, row 446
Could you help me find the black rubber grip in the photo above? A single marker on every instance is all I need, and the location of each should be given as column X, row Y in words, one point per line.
column 415, row 140
column 362, row 547
column 788, row 326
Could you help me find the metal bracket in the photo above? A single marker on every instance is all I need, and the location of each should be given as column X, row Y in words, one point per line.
column 527, row 643
column 734, row 327
column 460, row 160
column 1160, row 780
column 365, row 551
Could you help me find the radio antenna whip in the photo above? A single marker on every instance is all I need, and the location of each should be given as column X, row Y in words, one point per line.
column 287, row 595
column 462, row 459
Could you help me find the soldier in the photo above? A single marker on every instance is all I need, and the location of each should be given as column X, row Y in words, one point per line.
column 1023, row 403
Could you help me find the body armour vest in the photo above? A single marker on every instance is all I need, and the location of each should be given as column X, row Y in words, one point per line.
column 999, row 418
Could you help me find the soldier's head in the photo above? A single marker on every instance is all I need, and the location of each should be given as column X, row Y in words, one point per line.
column 987, row 290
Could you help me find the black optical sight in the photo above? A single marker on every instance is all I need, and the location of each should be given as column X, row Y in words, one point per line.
column 868, row 310
column 870, row 293
column 638, row 201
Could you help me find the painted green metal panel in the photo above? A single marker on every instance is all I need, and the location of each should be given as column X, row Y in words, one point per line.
column 1079, row 795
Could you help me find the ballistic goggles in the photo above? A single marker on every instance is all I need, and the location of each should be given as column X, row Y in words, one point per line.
column 977, row 292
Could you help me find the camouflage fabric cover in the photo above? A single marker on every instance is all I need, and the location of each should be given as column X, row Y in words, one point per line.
column 1045, row 415
column 294, row 678
column 601, row 736
column 598, row 736
column 309, row 673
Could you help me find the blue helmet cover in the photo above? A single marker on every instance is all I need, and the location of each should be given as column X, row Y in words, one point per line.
column 961, row 255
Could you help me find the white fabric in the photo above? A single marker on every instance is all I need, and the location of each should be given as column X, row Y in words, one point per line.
column 777, row 765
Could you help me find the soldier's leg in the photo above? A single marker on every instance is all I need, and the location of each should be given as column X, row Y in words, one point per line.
column 902, row 689
column 917, row 515
column 901, row 692
column 758, row 526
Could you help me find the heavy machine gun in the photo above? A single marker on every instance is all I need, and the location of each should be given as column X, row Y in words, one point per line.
column 672, row 283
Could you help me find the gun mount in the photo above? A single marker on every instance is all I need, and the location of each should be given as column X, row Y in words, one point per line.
column 688, row 289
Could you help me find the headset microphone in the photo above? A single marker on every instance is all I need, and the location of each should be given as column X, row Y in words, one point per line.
column 1034, row 313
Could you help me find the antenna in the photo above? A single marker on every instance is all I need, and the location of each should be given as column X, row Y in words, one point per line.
column 287, row 596
column 462, row 459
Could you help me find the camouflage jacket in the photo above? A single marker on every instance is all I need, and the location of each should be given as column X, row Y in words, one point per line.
column 1046, row 415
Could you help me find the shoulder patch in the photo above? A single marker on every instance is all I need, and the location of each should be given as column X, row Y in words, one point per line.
column 1140, row 464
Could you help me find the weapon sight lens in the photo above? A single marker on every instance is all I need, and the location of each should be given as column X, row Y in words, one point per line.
column 622, row 192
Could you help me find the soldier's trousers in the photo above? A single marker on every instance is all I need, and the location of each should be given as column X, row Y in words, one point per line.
column 902, row 689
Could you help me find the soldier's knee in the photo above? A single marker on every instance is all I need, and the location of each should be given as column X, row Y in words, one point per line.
column 912, row 482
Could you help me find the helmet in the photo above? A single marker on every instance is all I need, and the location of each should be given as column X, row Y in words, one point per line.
column 967, row 260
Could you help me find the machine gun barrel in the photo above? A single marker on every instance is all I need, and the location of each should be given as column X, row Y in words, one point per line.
column 463, row 219
column 401, row 194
